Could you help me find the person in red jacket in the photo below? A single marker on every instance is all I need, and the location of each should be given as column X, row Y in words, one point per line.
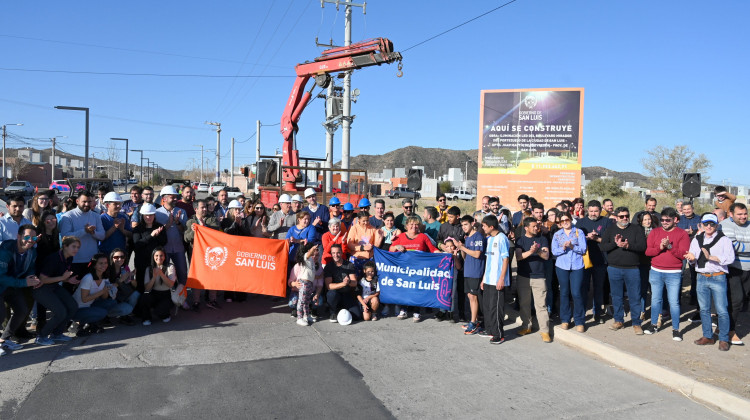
column 667, row 246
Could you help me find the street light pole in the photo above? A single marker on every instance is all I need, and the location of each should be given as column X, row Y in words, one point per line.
column 126, row 158
column 4, row 134
column 141, row 151
column 201, row 146
column 218, row 148
column 86, row 152
column 148, row 169
column 54, row 139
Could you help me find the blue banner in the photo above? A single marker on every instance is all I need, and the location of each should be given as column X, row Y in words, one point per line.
column 415, row 278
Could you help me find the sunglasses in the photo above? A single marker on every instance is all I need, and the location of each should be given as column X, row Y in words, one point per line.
column 712, row 224
column 259, row 208
column 408, row 207
column 335, row 205
column 666, row 220
column 30, row 238
column 623, row 216
column 564, row 220
column 118, row 257
column 442, row 199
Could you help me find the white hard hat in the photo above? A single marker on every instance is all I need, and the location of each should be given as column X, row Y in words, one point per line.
column 234, row 204
column 112, row 197
column 309, row 192
column 168, row 190
column 147, row 208
column 285, row 198
column 296, row 197
column 344, row 317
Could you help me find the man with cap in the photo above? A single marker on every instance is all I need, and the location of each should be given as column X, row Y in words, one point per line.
column 280, row 221
column 17, row 266
column 174, row 220
column 85, row 225
column 318, row 213
column 117, row 230
column 376, row 220
column 348, row 218
column 408, row 206
column 711, row 252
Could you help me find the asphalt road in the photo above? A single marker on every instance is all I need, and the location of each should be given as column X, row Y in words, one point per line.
column 250, row 360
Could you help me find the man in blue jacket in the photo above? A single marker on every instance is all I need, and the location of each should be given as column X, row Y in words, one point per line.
column 17, row 266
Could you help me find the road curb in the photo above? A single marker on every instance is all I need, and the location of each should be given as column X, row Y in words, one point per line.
column 690, row 387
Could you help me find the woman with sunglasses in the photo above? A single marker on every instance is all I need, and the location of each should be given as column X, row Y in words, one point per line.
column 40, row 204
column 127, row 293
column 569, row 245
column 56, row 269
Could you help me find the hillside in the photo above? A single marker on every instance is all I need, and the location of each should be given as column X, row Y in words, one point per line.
column 437, row 161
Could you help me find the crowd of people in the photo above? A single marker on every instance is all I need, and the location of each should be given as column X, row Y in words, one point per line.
column 65, row 266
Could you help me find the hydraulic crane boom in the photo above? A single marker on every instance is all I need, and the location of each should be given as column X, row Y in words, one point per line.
column 372, row 52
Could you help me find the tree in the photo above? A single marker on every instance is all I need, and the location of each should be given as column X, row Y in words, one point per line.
column 445, row 187
column 604, row 187
column 18, row 167
column 666, row 167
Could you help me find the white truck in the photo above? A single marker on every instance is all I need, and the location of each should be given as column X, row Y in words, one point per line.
column 460, row 195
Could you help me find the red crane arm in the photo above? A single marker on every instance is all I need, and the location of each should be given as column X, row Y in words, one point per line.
column 372, row 52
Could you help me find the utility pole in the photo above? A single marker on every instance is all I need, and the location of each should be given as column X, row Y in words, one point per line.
column 54, row 139
column 347, row 105
column 231, row 165
column 201, row 146
column 257, row 155
column 5, row 174
column 218, row 148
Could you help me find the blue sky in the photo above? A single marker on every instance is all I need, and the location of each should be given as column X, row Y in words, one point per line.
column 669, row 72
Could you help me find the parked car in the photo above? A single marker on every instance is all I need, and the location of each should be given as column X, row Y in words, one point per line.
column 216, row 187
column 133, row 181
column 403, row 192
column 233, row 192
column 202, row 187
column 19, row 187
column 460, row 195
column 60, row 185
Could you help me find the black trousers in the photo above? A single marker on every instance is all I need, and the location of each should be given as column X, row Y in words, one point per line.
column 493, row 302
column 738, row 286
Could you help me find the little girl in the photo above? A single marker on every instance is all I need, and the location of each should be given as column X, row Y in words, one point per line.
column 307, row 272
column 369, row 297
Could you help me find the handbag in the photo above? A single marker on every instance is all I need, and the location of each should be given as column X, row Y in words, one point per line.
column 124, row 290
column 586, row 257
column 179, row 294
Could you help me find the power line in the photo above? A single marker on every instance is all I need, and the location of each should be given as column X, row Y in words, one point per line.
column 211, row 76
column 458, row 26
column 80, row 44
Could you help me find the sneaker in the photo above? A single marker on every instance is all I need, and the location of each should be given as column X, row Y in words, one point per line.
column 483, row 333
column 471, row 328
column 650, row 330
column 167, row 319
column 82, row 332
column 676, row 336
column 11, row 345
column 311, row 319
column 2, row 352
column 523, row 331
column 196, row 307
column 213, row 304
column 375, row 318
column 302, row 322
column 696, row 318
column 333, row 318
column 61, row 337
column 402, row 315
column 416, row 318
column 497, row 340
column 294, row 313
column 44, row 341
column 147, row 322
column 599, row 319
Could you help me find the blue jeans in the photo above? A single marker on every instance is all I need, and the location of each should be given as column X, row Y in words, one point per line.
column 644, row 270
column 571, row 283
column 596, row 275
column 631, row 278
column 673, row 283
column 180, row 265
column 707, row 287
column 125, row 308
column 96, row 312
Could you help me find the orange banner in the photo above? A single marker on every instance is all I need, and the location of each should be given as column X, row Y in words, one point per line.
column 238, row 263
